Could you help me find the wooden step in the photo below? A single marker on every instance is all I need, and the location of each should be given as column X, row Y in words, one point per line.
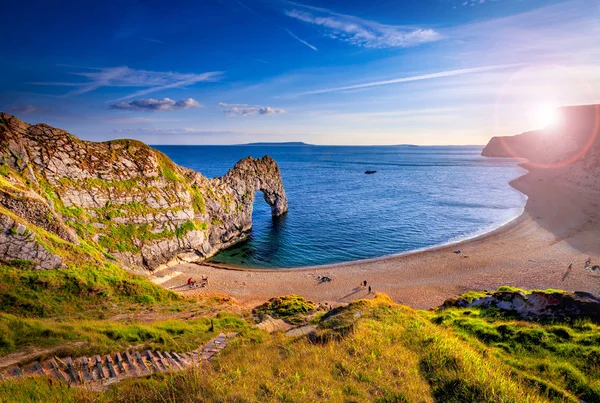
column 140, row 362
column 181, row 359
column 111, row 369
column 153, row 362
column 162, row 360
column 14, row 372
column 98, row 369
column 172, row 361
column 85, row 370
column 38, row 368
column 120, row 366
column 70, row 370
column 129, row 360
column 55, row 370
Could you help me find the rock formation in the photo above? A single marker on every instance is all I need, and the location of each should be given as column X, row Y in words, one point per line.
column 120, row 197
column 535, row 305
column 571, row 147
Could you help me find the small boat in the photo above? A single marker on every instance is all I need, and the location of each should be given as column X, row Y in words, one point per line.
column 370, row 172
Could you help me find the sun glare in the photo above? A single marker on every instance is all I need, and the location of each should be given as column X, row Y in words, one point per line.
column 546, row 116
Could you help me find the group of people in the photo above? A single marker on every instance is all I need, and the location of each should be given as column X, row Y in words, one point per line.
column 323, row 279
column 587, row 266
column 194, row 283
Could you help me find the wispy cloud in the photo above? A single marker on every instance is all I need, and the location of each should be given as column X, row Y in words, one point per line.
column 22, row 109
column 243, row 110
column 441, row 74
column 301, row 40
column 153, row 105
column 361, row 32
column 125, row 77
column 472, row 3
column 248, row 9
column 153, row 40
column 137, row 120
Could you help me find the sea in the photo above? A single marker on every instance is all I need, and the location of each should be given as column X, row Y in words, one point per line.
column 419, row 197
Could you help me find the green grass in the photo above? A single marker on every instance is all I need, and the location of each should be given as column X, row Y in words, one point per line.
column 383, row 352
column 198, row 203
column 77, row 338
column 563, row 359
column 88, row 290
column 393, row 354
column 291, row 308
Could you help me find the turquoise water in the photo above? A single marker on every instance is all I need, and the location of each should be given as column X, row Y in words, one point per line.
column 420, row 197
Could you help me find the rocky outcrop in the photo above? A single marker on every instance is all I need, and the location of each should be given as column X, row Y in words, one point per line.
column 125, row 198
column 571, row 147
column 18, row 243
column 535, row 305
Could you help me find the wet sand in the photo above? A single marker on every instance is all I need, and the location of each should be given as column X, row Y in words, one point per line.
column 560, row 225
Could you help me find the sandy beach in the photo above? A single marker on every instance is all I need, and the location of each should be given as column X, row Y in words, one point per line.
column 560, row 225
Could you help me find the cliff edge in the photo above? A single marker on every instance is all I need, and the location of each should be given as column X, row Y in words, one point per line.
column 571, row 147
column 121, row 199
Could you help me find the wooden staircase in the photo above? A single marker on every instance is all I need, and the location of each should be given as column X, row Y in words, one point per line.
column 105, row 370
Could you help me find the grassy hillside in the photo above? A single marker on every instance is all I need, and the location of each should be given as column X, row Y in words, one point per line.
column 378, row 351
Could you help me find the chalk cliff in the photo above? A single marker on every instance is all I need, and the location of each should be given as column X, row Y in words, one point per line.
column 121, row 197
column 571, row 147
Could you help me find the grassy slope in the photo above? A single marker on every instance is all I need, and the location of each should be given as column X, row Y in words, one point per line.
column 378, row 351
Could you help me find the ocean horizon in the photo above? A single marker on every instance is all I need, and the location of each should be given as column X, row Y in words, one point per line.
column 419, row 197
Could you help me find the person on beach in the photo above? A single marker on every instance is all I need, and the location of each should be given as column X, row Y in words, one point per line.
column 365, row 283
column 369, row 289
column 570, row 268
column 190, row 281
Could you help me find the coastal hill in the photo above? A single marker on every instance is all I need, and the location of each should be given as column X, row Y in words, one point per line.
column 571, row 147
column 120, row 198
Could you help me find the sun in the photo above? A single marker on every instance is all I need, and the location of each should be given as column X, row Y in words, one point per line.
column 546, row 115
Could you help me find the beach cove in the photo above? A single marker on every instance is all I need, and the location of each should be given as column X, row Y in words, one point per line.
column 559, row 225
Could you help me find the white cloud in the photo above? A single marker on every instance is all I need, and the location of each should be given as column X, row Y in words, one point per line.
column 360, row 32
column 126, row 77
column 301, row 40
column 152, row 105
column 441, row 74
column 247, row 110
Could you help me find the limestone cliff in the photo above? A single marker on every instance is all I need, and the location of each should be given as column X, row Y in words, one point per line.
column 121, row 197
column 572, row 147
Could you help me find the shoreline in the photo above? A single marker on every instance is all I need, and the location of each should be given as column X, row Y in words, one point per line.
column 427, row 249
column 559, row 224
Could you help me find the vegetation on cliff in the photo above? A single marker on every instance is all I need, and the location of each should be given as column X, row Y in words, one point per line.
column 121, row 200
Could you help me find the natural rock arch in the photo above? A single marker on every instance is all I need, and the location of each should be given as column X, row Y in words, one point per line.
column 125, row 197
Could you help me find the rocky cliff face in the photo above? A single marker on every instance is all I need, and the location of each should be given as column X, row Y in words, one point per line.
column 572, row 147
column 121, row 197
column 535, row 305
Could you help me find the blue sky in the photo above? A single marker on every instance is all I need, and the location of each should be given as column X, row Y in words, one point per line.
column 323, row 72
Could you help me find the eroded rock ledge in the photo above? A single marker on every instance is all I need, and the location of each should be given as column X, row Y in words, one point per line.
column 534, row 305
column 122, row 197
